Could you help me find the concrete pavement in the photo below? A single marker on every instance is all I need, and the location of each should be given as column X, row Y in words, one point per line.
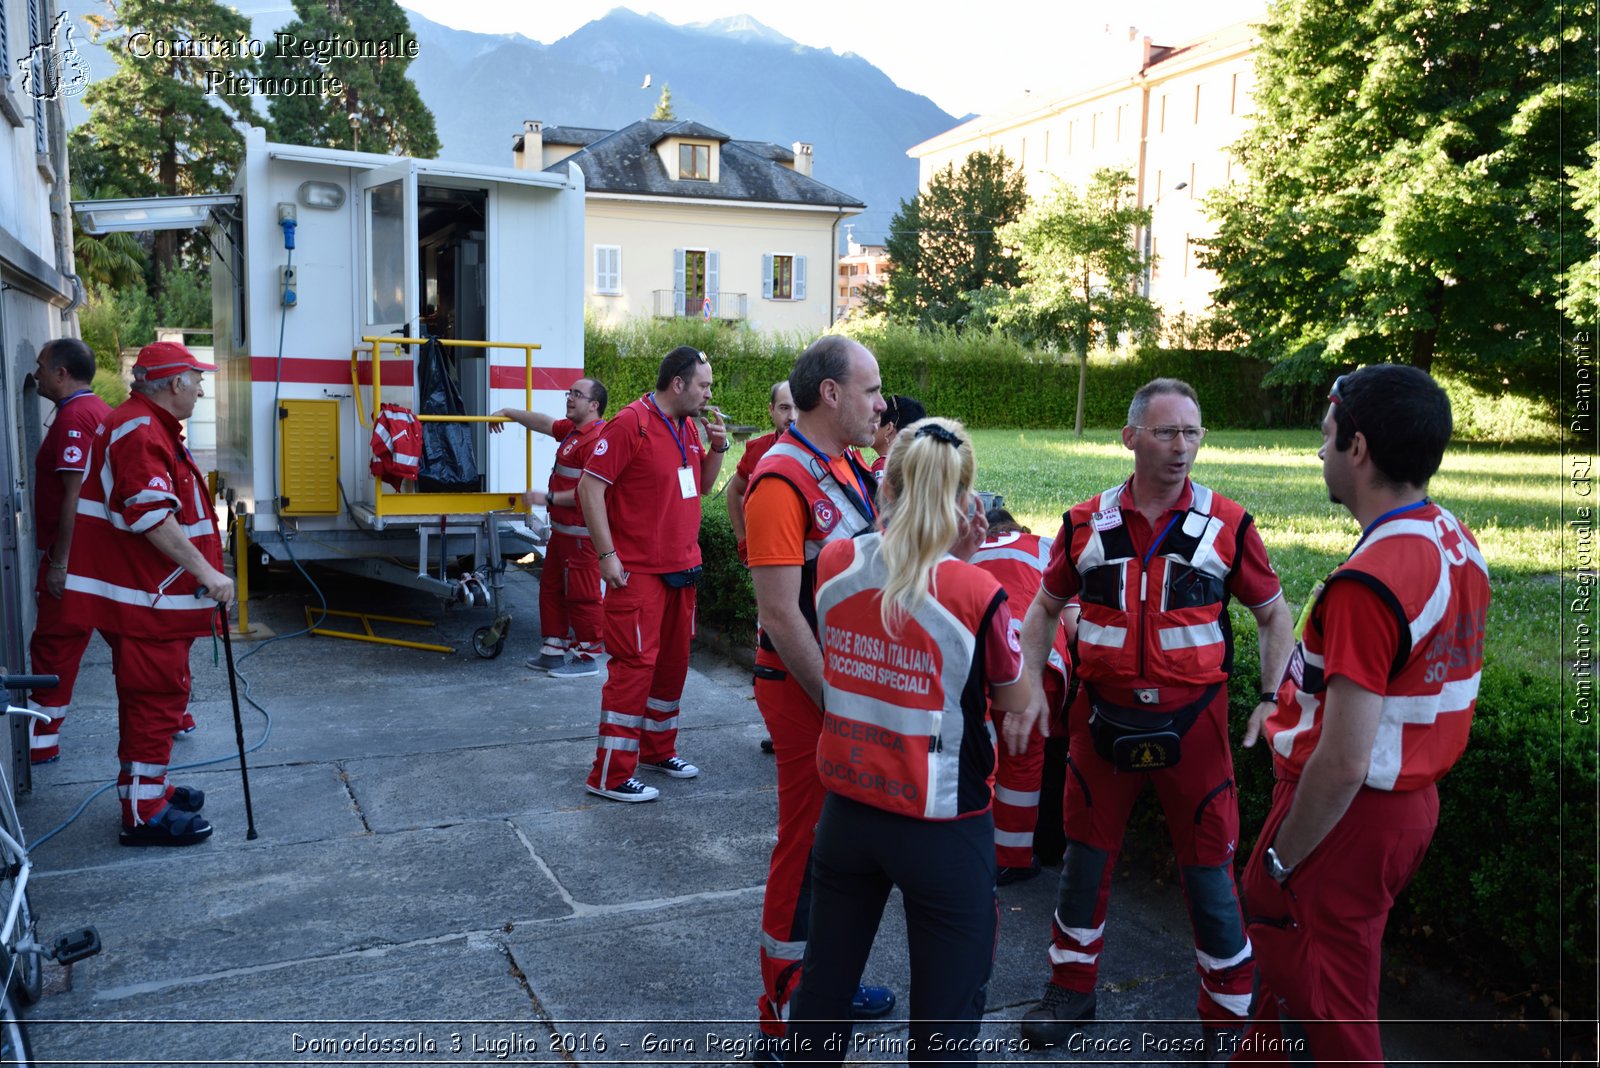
column 432, row 884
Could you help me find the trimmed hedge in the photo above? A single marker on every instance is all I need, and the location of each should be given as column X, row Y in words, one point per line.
column 989, row 381
column 1510, row 880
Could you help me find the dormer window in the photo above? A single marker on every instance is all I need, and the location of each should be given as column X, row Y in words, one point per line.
column 694, row 162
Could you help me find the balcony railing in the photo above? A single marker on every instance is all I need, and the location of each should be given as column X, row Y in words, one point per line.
column 728, row 307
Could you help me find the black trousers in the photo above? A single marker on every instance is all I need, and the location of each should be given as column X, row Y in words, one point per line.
column 945, row 871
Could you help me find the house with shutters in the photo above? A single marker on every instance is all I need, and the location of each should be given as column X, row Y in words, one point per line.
column 683, row 220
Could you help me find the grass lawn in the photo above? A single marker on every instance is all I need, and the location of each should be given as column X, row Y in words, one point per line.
column 1508, row 497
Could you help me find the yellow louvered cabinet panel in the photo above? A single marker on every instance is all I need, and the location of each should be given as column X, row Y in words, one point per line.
column 308, row 457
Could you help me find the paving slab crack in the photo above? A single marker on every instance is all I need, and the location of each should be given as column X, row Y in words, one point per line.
column 539, row 1011
column 355, row 803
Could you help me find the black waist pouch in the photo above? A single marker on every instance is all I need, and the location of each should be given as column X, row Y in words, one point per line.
column 1139, row 740
column 679, row 579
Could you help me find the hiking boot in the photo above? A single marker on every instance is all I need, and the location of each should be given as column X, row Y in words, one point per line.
column 677, row 767
column 582, row 667
column 1053, row 1020
column 871, row 1002
column 627, row 790
column 1007, row 876
column 171, row 827
column 546, row 661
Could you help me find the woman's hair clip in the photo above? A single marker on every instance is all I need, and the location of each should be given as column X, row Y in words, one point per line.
column 939, row 433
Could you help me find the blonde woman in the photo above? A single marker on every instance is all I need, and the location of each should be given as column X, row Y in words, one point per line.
column 916, row 644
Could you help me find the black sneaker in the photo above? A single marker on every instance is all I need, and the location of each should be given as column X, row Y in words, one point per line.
column 627, row 790
column 677, row 767
column 1052, row 1021
column 1007, row 876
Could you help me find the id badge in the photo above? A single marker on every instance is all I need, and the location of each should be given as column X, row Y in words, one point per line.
column 686, row 486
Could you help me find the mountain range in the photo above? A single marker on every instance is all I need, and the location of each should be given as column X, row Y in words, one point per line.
column 734, row 75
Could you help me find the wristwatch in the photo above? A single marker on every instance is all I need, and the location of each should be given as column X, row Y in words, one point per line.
column 1275, row 867
column 1269, row 697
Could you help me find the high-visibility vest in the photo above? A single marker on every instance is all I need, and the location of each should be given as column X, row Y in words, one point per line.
column 1018, row 561
column 571, row 454
column 139, row 477
column 396, row 445
column 831, row 515
column 905, row 723
column 1427, row 570
column 1164, row 619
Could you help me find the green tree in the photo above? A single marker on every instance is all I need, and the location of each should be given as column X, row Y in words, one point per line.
column 152, row 127
column 944, row 243
column 1402, row 198
column 1081, row 272
column 663, row 111
column 380, row 109
column 1583, row 276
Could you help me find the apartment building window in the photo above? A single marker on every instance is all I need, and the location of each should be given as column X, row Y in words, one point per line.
column 8, row 106
column 608, row 269
column 694, row 162
column 783, row 276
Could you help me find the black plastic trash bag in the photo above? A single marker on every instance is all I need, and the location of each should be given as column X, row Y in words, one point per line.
column 449, row 464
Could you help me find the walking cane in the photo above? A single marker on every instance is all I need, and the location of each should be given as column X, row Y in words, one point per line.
column 238, row 726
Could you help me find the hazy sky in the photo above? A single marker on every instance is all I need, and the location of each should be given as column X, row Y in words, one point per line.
column 964, row 56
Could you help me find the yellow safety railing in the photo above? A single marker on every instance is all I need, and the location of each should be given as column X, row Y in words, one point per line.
column 413, row 504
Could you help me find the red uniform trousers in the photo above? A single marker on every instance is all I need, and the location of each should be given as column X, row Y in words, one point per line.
column 152, row 697
column 795, row 723
column 569, row 595
column 1016, row 787
column 1317, row 937
column 56, row 648
column 648, row 627
column 1197, row 796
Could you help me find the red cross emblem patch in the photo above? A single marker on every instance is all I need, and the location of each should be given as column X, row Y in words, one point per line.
column 1450, row 540
column 824, row 515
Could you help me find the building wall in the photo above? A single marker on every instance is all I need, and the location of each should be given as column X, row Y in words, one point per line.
column 1168, row 122
column 862, row 266
column 36, row 295
column 648, row 230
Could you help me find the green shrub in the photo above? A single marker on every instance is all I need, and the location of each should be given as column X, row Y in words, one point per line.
column 726, row 600
column 989, row 380
column 1515, row 847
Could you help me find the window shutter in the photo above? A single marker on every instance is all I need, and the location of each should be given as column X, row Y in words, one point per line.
column 616, row 269
column 766, row 277
column 713, row 277
column 677, row 281
column 799, row 278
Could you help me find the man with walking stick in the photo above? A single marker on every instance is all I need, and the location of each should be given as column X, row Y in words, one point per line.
column 147, row 544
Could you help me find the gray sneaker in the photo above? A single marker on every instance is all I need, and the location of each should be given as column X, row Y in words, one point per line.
column 546, row 661
column 1056, row 1017
column 582, row 668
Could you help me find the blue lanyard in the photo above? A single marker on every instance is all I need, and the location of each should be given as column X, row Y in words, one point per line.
column 858, row 497
column 650, row 398
column 1161, row 537
column 1385, row 517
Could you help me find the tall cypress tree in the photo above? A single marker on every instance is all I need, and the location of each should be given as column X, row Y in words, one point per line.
column 380, row 109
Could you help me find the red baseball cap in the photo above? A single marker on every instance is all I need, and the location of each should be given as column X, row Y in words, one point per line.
column 163, row 359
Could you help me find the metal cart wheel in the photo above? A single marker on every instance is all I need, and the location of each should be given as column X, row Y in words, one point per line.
column 489, row 642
